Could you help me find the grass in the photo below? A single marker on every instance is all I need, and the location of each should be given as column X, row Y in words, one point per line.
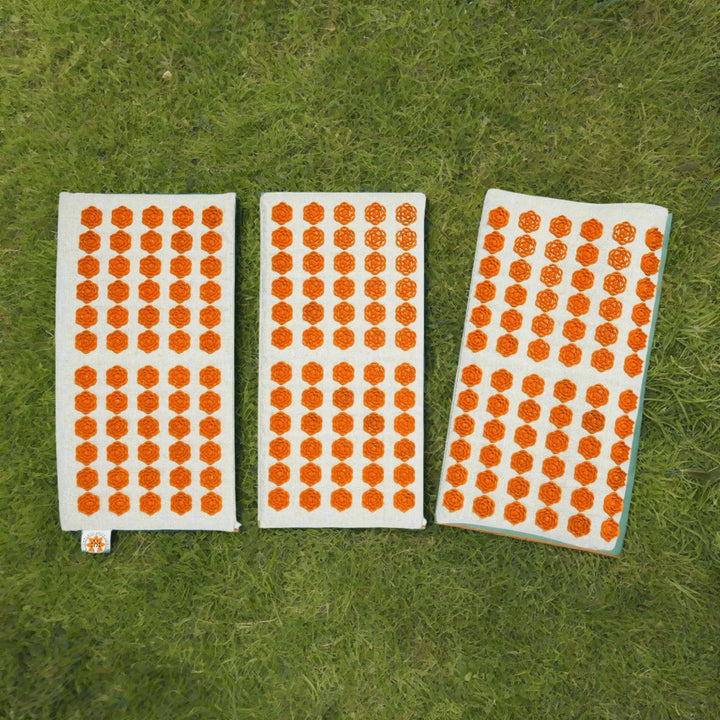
column 615, row 102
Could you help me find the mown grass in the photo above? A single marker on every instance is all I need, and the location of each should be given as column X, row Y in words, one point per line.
column 614, row 102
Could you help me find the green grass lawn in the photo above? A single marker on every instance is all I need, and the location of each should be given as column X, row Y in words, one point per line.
column 619, row 102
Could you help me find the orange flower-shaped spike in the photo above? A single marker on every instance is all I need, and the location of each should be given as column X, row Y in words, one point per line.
column 375, row 338
column 546, row 300
column 654, row 239
column 183, row 216
column 494, row 242
column 485, row 291
column 281, row 238
column 373, row 474
column 579, row 525
column 406, row 264
column 372, row 500
column 633, row 365
column 583, row 279
column 88, row 504
column 85, row 376
column 406, row 314
column 585, row 473
column 498, row 405
column 313, row 213
column 510, row 320
column 606, row 334
column 615, row 283
column 151, row 241
column 556, row 250
column 182, row 242
column 551, row 275
column 85, row 402
column 406, row 239
column 406, row 214
column 624, row 233
column 91, row 217
column 591, row 229
column 340, row 499
column 281, row 337
column 211, row 242
column 520, row 270
column 281, row 213
column 86, row 316
column 459, row 450
column 616, row 478
column 529, row 411
column 116, row 341
column 453, row 500
column 313, row 237
column 538, row 350
column 518, row 487
column 610, row 308
column 374, row 313
column 560, row 226
column 341, row 474
column 498, row 217
column 344, row 238
column 515, row 513
column 533, row 385
column 587, row 254
column 121, row 217
column 312, row 313
column 501, row 380
column 524, row 245
column 543, row 325
column 570, row 355
column 546, row 519
column 343, row 398
column 529, row 221
column 550, row 493
column 312, row 398
column 119, row 266
column 645, row 289
column 405, row 339
column 483, row 506
column 597, row 395
column 490, row 455
column 375, row 213
column 278, row 499
column 313, row 287
column 487, row 481
column 344, row 213
column 343, row 373
column 602, row 360
column 406, row 289
column 619, row 258
column 471, row 375
column 375, row 238
column 212, row 216
column 494, row 430
column 120, row 241
column 561, row 416
column 489, row 266
column 88, row 266
column 89, row 241
column 476, row 340
column 343, row 338
column 578, row 304
column 565, row 390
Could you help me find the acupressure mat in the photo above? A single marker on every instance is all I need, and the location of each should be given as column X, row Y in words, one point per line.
column 547, row 405
column 340, row 441
column 144, row 363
